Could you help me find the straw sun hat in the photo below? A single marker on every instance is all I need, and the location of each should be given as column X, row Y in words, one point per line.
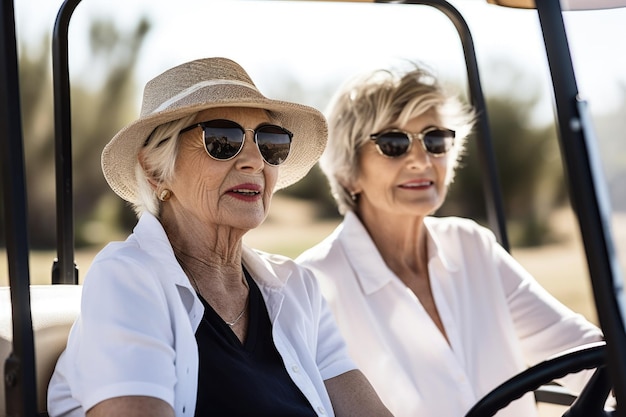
column 203, row 84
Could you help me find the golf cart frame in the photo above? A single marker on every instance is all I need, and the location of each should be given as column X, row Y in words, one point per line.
column 578, row 148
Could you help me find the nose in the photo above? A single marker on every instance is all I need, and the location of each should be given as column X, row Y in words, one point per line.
column 417, row 155
column 249, row 158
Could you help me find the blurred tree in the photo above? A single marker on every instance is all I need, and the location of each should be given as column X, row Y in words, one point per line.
column 611, row 132
column 97, row 112
column 530, row 171
column 314, row 187
column 38, row 133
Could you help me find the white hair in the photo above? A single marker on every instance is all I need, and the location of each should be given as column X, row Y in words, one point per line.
column 156, row 164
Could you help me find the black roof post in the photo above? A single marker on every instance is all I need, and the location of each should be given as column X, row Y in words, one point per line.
column 19, row 368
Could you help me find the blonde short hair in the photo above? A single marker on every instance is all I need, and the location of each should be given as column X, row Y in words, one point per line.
column 378, row 100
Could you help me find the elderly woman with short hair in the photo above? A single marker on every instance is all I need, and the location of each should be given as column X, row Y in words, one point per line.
column 182, row 319
column 434, row 311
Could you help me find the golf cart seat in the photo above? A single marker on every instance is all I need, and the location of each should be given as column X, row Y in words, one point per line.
column 54, row 309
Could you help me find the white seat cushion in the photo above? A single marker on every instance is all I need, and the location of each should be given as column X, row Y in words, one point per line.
column 53, row 309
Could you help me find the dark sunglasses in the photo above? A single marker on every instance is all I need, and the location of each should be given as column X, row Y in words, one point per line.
column 224, row 139
column 394, row 142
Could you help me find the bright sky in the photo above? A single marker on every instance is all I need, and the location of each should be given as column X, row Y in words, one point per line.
column 321, row 44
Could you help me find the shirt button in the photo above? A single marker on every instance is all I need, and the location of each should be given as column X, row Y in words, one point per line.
column 187, row 370
column 184, row 408
column 321, row 410
column 295, row 368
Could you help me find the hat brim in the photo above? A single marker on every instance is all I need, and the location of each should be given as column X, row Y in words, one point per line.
column 307, row 124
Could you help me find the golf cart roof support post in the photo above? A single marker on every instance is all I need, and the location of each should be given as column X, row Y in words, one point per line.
column 490, row 177
column 588, row 197
column 64, row 270
column 19, row 368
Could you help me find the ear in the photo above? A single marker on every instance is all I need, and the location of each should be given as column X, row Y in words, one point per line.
column 354, row 188
column 151, row 180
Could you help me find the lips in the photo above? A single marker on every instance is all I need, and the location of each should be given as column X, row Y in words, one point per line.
column 244, row 191
column 418, row 184
column 247, row 190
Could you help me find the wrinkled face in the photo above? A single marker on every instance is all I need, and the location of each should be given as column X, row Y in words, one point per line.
column 413, row 184
column 235, row 193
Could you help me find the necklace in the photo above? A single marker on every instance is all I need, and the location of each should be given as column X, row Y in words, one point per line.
column 239, row 316
column 232, row 323
column 197, row 288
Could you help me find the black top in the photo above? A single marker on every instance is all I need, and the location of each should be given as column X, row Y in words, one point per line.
column 248, row 379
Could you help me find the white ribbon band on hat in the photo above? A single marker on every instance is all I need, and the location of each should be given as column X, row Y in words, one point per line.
column 199, row 86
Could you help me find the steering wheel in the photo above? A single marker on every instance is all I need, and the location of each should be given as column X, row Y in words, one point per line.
column 590, row 402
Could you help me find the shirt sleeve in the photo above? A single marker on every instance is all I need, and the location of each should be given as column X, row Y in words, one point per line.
column 125, row 342
column 332, row 355
column 544, row 326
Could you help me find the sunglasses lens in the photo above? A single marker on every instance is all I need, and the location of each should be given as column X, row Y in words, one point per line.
column 223, row 139
column 274, row 143
column 438, row 142
column 393, row 143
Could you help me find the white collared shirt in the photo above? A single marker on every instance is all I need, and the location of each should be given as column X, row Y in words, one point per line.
column 136, row 331
column 498, row 319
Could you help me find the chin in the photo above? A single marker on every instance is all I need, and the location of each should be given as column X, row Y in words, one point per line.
column 249, row 223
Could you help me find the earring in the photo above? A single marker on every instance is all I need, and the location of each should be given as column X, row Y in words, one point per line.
column 353, row 195
column 165, row 194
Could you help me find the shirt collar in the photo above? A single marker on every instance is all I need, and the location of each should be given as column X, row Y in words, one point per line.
column 370, row 267
column 268, row 270
column 436, row 249
column 152, row 238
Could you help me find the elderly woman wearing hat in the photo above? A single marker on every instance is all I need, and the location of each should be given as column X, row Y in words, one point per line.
column 182, row 319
